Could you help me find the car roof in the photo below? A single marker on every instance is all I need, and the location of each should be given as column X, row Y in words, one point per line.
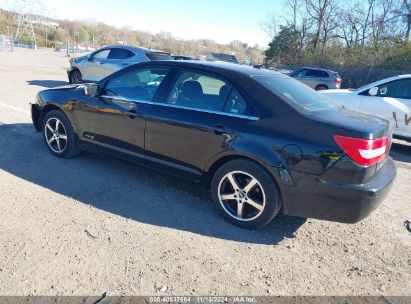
column 222, row 67
column 319, row 69
column 134, row 49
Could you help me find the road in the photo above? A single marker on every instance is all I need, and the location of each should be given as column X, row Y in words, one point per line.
column 91, row 225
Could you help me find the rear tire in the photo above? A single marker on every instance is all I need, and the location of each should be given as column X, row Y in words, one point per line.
column 246, row 194
column 58, row 135
column 75, row 77
column 321, row 87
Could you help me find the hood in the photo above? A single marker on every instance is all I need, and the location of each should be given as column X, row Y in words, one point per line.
column 66, row 87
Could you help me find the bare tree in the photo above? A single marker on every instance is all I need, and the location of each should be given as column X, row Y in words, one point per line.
column 321, row 12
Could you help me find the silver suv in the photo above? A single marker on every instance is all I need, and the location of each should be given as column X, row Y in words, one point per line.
column 318, row 79
column 107, row 60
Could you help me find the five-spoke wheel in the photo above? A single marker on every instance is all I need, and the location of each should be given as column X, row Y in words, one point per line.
column 59, row 135
column 241, row 195
column 56, row 135
column 246, row 193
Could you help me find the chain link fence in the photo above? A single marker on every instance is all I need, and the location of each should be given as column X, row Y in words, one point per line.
column 6, row 43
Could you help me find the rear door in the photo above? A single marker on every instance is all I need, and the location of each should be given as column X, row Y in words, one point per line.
column 197, row 118
column 94, row 67
column 392, row 102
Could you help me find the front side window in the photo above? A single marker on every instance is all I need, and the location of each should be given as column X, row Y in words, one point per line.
column 397, row 89
column 200, row 91
column 296, row 93
column 300, row 73
column 101, row 55
column 137, row 85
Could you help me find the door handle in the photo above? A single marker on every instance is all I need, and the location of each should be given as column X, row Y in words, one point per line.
column 220, row 130
column 133, row 114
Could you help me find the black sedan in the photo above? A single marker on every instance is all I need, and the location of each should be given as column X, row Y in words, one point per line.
column 260, row 140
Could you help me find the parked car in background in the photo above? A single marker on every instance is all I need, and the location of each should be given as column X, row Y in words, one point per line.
column 220, row 57
column 107, row 60
column 318, row 79
column 233, row 128
column 389, row 98
column 181, row 57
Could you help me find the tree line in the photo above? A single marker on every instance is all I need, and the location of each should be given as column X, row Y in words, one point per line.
column 99, row 34
column 370, row 38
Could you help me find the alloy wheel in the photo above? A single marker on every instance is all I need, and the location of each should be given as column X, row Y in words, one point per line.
column 56, row 135
column 241, row 195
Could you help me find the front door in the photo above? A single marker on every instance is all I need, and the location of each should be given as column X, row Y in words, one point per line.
column 93, row 69
column 393, row 102
column 116, row 119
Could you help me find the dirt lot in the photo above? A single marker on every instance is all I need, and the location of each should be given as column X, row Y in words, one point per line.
column 90, row 225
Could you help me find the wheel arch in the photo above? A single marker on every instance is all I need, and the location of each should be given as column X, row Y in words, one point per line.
column 321, row 85
column 222, row 158
column 46, row 109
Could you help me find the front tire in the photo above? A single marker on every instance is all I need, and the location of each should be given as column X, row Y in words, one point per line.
column 75, row 77
column 321, row 87
column 246, row 194
column 58, row 135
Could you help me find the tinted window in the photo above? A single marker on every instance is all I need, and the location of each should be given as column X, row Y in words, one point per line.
column 138, row 84
column 159, row 56
column 399, row 89
column 296, row 93
column 317, row 73
column 201, row 91
column 235, row 104
column 299, row 73
column 101, row 55
column 120, row 54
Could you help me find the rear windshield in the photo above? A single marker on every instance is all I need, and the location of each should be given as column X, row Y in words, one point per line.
column 159, row 56
column 296, row 93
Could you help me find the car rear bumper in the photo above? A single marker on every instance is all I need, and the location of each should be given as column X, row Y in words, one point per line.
column 333, row 201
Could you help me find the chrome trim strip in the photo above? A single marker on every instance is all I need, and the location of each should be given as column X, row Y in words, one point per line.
column 181, row 107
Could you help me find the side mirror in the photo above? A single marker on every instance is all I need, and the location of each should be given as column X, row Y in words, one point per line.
column 373, row 91
column 92, row 90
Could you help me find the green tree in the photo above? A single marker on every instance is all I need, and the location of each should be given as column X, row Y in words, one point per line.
column 285, row 48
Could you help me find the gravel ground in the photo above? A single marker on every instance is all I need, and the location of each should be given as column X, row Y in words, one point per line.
column 91, row 225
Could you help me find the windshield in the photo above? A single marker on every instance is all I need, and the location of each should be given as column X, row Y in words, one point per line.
column 296, row 93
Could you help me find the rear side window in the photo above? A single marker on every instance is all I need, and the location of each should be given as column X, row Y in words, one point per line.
column 296, row 93
column 317, row 73
column 155, row 56
column 204, row 92
column 120, row 54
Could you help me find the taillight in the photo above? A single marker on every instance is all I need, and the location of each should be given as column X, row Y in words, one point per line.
column 365, row 152
column 337, row 82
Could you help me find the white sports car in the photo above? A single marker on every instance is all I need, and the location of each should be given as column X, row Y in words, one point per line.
column 389, row 98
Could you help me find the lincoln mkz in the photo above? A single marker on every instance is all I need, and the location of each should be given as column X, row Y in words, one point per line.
column 260, row 140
